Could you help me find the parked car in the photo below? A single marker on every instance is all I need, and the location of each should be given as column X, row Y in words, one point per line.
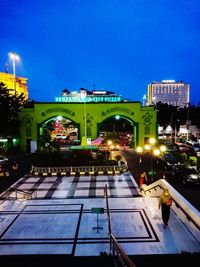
column 187, row 174
column 3, row 159
column 166, row 161
column 184, row 148
column 170, row 160
column 4, row 166
column 193, row 144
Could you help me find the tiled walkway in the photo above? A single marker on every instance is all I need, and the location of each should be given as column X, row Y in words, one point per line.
column 61, row 219
column 76, row 187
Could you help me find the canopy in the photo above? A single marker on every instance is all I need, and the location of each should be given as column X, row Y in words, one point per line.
column 84, row 147
column 97, row 141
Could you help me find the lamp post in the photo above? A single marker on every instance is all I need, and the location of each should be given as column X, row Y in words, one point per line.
column 172, row 127
column 14, row 57
column 152, row 151
column 152, row 143
column 188, row 121
column 84, row 138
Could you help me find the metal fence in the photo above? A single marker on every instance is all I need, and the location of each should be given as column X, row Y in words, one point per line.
column 79, row 170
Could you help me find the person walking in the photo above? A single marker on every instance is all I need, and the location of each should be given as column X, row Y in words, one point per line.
column 143, row 179
column 165, row 202
column 15, row 167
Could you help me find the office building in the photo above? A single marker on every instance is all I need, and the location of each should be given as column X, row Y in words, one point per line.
column 170, row 92
column 21, row 84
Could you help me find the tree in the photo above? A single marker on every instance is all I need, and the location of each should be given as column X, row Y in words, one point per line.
column 9, row 108
column 169, row 114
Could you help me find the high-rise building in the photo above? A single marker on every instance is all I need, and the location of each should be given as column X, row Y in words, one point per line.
column 170, row 92
column 20, row 83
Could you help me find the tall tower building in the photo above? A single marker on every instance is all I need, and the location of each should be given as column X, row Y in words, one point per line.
column 21, row 84
column 170, row 92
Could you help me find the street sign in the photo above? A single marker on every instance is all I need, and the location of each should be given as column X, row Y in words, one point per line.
column 97, row 210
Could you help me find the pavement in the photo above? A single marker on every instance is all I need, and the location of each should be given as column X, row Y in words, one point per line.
column 59, row 218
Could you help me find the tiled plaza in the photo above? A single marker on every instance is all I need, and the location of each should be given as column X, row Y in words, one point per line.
column 59, row 218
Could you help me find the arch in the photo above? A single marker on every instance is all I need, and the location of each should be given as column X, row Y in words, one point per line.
column 144, row 119
column 132, row 122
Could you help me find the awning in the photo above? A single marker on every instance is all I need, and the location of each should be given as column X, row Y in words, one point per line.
column 84, row 148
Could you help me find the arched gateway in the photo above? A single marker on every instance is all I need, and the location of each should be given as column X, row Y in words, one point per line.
column 143, row 119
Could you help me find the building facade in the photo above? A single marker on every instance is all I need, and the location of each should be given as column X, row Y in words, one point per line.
column 87, row 118
column 170, row 92
column 21, row 84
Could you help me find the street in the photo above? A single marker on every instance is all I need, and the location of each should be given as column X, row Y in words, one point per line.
column 136, row 164
column 139, row 163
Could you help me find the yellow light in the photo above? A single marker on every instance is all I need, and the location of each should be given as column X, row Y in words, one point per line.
column 147, row 147
column 112, row 146
column 162, row 148
column 156, row 152
column 109, row 142
column 152, row 141
column 139, row 149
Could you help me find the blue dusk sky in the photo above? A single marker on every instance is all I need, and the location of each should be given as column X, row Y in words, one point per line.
column 115, row 45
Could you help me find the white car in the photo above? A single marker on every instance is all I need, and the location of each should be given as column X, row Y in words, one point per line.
column 3, row 159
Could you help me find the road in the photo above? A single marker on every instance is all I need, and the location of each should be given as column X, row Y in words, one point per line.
column 137, row 164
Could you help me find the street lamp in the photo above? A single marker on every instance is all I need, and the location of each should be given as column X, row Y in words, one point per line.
column 13, row 56
column 152, row 151
column 188, row 121
column 150, row 148
column 84, row 138
column 172, row 127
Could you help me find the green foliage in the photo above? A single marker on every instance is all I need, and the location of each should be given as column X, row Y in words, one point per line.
column 9, row 108
column 183, row 158
column 176, row 116
column 43, row 159
column 193, row 161
column 71, row 158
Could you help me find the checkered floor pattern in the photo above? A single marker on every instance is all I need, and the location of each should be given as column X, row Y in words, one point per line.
column 122, row 185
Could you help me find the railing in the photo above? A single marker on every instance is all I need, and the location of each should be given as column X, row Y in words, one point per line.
column 119, row 256
column 112, row 169
column 27, row 194
column 182, row 208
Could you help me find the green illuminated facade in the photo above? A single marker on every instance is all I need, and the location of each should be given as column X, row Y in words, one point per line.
column 142, row 118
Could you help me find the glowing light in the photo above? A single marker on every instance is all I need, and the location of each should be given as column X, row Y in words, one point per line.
column 168, row 81
column 139, row 149
column 109, row 142
column 13, row 56
column 147, row 147
column 59, row 118
column 156, row 152
column 117, row 117
column 163, row 148
column 152, row 141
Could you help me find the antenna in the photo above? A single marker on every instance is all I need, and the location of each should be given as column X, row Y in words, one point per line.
column 6, row 66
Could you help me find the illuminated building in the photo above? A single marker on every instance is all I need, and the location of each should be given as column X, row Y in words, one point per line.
column 94, row 96
column 21, row 84
column 170, row 92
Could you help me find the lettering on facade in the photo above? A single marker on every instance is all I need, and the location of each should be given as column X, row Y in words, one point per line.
column 52, row 110
column 72, row 99
column 118, row 109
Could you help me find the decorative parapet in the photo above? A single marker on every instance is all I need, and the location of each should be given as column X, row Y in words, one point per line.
column 78, row 170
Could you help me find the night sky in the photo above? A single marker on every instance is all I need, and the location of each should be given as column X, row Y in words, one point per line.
column 115, row 45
